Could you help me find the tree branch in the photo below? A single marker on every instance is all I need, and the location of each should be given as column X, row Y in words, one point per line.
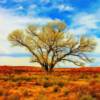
column 29, row 50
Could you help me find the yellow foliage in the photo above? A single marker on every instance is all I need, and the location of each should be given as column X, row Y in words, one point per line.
column 49, row 44
column 16, row 35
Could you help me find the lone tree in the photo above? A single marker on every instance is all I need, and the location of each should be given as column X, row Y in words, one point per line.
column 50, row 44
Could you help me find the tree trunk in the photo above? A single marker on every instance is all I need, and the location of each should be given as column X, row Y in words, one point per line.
column 51, row 68
column 46, row 67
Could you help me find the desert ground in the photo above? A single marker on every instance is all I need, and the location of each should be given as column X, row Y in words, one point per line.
column 31, row 83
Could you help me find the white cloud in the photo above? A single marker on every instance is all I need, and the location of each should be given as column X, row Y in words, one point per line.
column 16, row 61
column 96, row 54
column 97, row 50
column 79, row 31
column 63, row 7
column 45, row 1
column 20, row 7
column 83, row 23
column 86, row 20
column 32, row 6
column 9, row 22
column 96, row 61
column 19, row 0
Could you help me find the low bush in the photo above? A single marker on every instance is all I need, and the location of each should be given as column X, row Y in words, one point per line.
column 1, row 91
column 56, row 89
column 87, row 97
column 13, row 97
column 47, row 84
column 61, row 84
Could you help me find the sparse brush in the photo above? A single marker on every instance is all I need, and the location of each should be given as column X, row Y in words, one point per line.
column 12, row 97
column 66, row 92
column 56, row 89
column 5, row 78
column 1, row 91
column 61, row 84
column 87, row 97
column 83, row 76
column 47, row 84
column 41, row 97
column 27, row 93
column 46, row 78
column 21, row 78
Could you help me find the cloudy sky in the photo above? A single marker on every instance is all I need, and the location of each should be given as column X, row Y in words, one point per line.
column 81, row 17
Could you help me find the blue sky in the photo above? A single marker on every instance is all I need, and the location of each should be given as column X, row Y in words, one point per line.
column 61, row 9
column 81, row 17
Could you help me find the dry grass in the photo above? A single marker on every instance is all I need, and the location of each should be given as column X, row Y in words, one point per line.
column 41, row 86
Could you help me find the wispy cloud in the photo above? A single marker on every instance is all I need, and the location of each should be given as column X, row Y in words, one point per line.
column 45, row 1
column 63, row 7
column 9, row 22
column 13, row 61
column 19, row 0
column 85, row 23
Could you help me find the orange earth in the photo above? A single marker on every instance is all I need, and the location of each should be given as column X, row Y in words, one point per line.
column 32, row 83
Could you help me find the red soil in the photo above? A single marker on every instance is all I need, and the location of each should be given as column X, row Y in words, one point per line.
column 38, row 70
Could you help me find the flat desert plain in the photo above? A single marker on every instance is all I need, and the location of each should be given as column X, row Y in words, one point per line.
column 32, row 83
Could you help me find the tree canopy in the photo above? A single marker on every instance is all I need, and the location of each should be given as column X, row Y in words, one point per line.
column 51, row 44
